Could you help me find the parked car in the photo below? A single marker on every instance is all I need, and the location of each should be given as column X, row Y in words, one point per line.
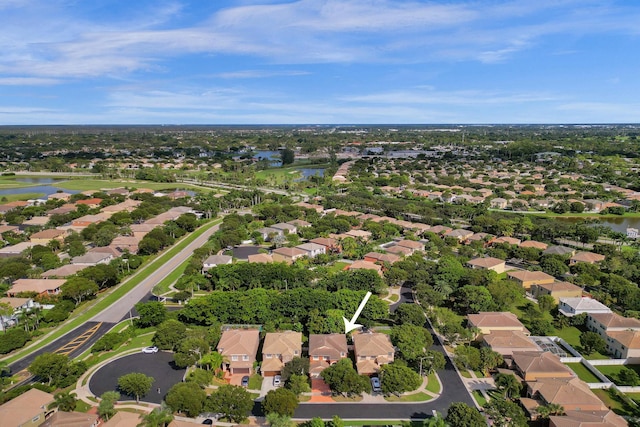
column 245, row 381
column 150, row 350
column 375, row 384
column 277, row 381
column 208, row 422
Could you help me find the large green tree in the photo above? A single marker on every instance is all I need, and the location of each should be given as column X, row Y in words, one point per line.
column 135, row 384
column 169, row 334
column 232, row 401
column 397, row 378
column 106, row 408
column 342, row 378
column 187, row 397
column 280, row 401
column 412, row 341
column 462, row 415
column 150, row 313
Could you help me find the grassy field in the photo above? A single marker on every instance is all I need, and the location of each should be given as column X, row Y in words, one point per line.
column 418, row 397
column 583, row 373
column 613, row 371
column 433, row 384
column 163, row 286
column 99, row 184
column 118, row 292
column 337, row 267
column 255, row 382
column 479, row 398
column 570, row 334
column 24, row 196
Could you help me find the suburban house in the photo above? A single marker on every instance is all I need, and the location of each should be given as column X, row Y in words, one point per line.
column 365, row 265
column 63, row 271
column 312, row 249
column 285, row 228
column 141, row 230
column 439, row 229
column 508, row 342
column 278, row 349
column 559, row 250
column 358, row 234
column 490, row 321
column 578, row 305
column 572, row 394
column 216, row 260
column 557, row 290
column 413, row 245
column 507, row 240
column 123, row 419
column 87, row 220
column 488, row 263
column 378, row 257
column 603, row 323
column 18, row 305
column 92, row 258
column 624, row 345
column 45, row 236
column 299, row 223
column 535, row 366
column 27, row 410
column 288, row 255
column 260, row 258
column 92, row 203
column 398, row 250
column 331, row 245
column 480, row 237
column 526, row 278
column 460, row 234
column 498, row 203
column 325, row 350
column 239, row 348
column 268, row 232
column 126, row 244
column 64, row 209
column 588, row 418
column 372, row 350
column 588, row 257
column 39, row 286
column 59, row 196
column 72, row 419
column 534, row 244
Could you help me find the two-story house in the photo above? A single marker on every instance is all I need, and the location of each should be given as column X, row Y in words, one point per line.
column 372, row 350
column 239, row 348
column 278, row 349
column 325, row 350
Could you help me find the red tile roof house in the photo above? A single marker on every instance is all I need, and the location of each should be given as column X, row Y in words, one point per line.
column 488, row 263
column 278, row 349
column 325, row 350
column 372, row 350
column 239, row 348
column 91, row 203
column 39, row 286
column 364, row 265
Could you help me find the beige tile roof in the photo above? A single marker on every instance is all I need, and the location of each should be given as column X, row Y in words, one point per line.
column 36, row 285
column 14, row 302
column 366, row 265
column 24, row 407
column 64, row 271
column 411, row 244
column 487, row 262
column 629, row 339
column 398, row 250
column 567, row 392
column 588, row 419
column 327, row 345
column 530, row 276
column 540, row 363
column 488, row 319
column 71, row 419
column 533, row 244
column 123, row 419
column 260, row 258
column 613, row 320
column 589, row 257
column 325, row 241
column 290, row 252
column 560, row 286
column 372, row 344
column 390, row 258
column 509, row 339
column 508, row 240
column 51, row 233
column 285, row 343
column 239, row 342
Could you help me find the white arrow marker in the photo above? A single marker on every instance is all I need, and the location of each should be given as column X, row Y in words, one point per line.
column 351, row 325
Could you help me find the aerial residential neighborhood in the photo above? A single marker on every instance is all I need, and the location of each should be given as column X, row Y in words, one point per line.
column 176, row 294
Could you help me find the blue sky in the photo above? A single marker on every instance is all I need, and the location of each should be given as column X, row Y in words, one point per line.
column 319, row 61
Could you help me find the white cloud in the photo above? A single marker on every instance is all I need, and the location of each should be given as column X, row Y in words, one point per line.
column 27, row 81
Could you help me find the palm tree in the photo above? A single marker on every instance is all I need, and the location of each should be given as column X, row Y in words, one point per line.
column 550, row 409
column 65, row 401
column 508, row 384
column 159, row 417
column 436, row 421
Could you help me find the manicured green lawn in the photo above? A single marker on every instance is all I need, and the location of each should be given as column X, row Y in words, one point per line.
column 418, row 397
column 98, row 184
column 612, row 371
column 82, row 406
column 24, row 196
column 479, row 398
column 394, row 298
column 583, row 373
column 255, row 382
column 433, row 384
column 336, row 267
column 163, row 286
column 616, row 405
column 570, row 334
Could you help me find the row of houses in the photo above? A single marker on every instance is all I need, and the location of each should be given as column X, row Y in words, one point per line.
column 240, row 346
column 546, row 379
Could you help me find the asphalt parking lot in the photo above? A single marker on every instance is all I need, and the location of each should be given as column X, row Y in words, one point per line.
column 158, row 365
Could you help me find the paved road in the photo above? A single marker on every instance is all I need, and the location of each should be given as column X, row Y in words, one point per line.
column 406, row 296
column 117, row 311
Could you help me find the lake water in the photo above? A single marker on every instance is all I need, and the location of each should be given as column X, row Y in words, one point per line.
column 42, row 188
column 309, row 172
column 273, row 157
column 616, row 224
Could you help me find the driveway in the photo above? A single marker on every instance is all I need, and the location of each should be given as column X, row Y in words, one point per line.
column 158, row 365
